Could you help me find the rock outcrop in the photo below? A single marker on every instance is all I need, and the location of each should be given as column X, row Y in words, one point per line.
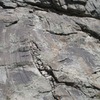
column 49, row 50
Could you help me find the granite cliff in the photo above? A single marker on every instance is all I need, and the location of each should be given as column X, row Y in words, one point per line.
column 49, row 49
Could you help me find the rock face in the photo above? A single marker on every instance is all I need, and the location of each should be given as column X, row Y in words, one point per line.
column 49, row 50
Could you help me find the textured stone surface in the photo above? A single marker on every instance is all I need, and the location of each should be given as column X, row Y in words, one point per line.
column 49, row 50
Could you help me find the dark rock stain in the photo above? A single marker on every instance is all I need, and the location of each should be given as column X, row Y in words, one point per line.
column 23, row 76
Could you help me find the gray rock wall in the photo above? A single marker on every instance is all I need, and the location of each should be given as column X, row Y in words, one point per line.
column 49, row 50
